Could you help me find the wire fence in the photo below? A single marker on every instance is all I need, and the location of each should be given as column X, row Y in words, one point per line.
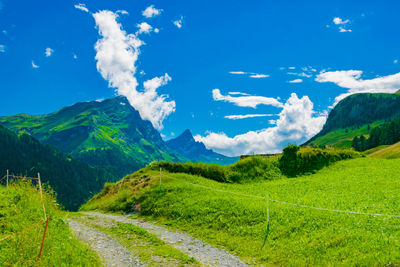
column 9, row 178
column 281, row 202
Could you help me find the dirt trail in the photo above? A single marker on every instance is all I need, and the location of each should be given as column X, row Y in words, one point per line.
column 205, row 254
column 111, row 252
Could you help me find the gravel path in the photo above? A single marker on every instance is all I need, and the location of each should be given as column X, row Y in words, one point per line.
column 112, row 252
column 205, row 254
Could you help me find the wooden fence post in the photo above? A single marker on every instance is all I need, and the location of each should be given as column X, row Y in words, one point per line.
column 41, row 196
column 41, row 246
column 160, row 179
column 7, row 178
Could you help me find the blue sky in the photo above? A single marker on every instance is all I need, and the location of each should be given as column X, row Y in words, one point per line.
column 245, row 77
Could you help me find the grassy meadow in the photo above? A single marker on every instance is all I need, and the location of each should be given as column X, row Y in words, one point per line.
column 21, row 208
column 222, row 214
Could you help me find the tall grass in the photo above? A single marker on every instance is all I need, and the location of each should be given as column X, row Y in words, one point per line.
column 21, row 208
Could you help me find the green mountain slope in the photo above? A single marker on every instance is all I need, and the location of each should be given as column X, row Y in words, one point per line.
column 197, row 151
column 109, row 134
column 74, row 182
column 356, row 115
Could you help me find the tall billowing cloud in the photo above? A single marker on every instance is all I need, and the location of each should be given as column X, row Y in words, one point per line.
column 117, row 53
column 296, row 124
column 351, row 80
column 245, row 100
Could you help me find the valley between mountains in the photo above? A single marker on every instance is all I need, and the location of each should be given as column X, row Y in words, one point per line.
column 117, row 194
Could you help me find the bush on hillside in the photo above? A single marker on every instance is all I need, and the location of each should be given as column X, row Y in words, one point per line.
column 296, row 160
column 245, row 170
column 254, row 168
column 211, row 171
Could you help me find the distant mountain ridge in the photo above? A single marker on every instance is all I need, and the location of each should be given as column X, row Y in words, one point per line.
column 197, row 151
column 108, row 134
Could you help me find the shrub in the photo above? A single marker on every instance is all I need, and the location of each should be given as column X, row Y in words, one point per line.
column 254, row 168
column 296, row 160
column 211, row 171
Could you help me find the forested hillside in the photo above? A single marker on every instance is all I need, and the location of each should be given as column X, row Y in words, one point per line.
column 74, row 182
column 387, row 134
column 356, row 115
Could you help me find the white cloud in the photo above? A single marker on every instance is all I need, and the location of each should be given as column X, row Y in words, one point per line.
column 178, row 23
column 341, row 29
column 238, row 72
column 251, row 74
column 339, row 21
column 4, row 32
column 395, row 61
column 237, row 93
column 351, row 80
column 123, row 12
column 342, row 24
column 34, row 65
column 144, row 27
column 156, row 30
column 74, row 56
column 246, row 101
column 296, row 81
column 82, row 7
column 292, row 68
column 296, row 124
column 2, row 48
column 117, row 53
column 48, row 52
column 301, row 74
column 151, row 11
column 258, row 76
column 238, row 117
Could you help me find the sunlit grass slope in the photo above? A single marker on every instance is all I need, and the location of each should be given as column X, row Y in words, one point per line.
column 387, row 152
column 21, row 208
column 298, row 235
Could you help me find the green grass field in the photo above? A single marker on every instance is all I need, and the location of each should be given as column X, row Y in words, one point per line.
column 298, row 235
column 21, row 208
